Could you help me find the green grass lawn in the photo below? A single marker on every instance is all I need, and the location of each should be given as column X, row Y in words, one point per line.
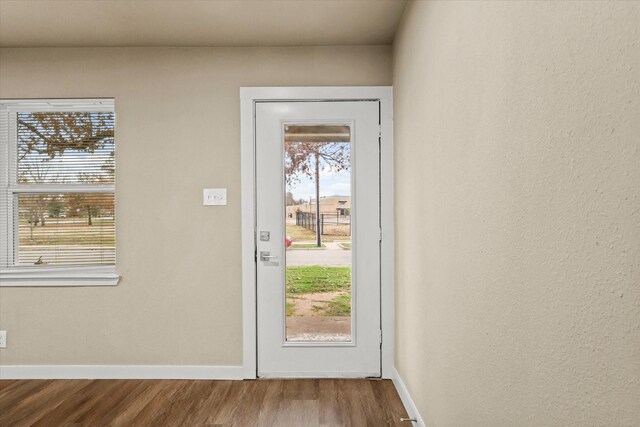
column 301, row 234
column 290, row 308
column 314, row 278
column 339, row 306
column 68, row 232
column 311, row 279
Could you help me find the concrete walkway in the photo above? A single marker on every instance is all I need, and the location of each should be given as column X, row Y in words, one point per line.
column 332, row 256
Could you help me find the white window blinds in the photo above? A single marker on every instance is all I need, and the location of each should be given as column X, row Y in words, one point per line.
column 65, row 148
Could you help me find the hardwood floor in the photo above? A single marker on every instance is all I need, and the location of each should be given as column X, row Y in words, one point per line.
column 313, row 402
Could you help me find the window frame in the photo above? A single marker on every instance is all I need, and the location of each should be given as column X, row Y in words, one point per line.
column 11, row 275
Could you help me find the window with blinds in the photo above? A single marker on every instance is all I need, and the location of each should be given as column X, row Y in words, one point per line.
column 57, row 207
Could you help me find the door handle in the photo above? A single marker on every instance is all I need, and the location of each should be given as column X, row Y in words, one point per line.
column 266, row 256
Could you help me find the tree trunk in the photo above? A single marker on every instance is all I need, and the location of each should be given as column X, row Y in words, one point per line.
column 89, row 215
column 318, row 236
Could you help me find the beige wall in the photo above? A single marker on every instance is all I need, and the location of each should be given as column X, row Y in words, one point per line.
column 177, row 131
column 517, row 135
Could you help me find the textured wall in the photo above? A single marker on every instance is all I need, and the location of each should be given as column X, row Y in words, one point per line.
column 177, row 131
column 517, row 135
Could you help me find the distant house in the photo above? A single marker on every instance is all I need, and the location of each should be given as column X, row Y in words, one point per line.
column 340, row 205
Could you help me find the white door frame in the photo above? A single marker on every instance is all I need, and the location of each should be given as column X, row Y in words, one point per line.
column 248, row 97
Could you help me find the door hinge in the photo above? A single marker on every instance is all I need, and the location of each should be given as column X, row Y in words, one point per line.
column 379, row 131
column 380, row 235
column 380, row 338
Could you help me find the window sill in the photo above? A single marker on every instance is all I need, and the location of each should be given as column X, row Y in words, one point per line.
column 59, row 277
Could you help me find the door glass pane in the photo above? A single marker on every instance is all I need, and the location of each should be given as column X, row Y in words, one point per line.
column 318, row 212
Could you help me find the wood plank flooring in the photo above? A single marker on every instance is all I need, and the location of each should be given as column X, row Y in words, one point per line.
column 312, row 402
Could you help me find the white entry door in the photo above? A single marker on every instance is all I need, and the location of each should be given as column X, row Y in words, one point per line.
column 318, row 238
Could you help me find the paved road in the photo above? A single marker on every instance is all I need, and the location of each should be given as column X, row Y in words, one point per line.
column 333, row 256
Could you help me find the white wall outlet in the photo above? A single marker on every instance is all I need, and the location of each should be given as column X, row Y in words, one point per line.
column 3, row 339
column 214, row 196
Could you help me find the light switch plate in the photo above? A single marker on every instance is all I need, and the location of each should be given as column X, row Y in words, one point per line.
column 3, row 339
column 214, row 196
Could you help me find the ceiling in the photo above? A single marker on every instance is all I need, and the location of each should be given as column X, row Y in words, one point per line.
column 75, row 23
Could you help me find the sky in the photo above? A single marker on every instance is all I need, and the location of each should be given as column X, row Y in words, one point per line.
column 331, row 184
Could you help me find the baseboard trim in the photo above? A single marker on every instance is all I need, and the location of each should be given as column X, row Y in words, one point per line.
column 294, row 375
column 146, row 372
column 411, row 408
